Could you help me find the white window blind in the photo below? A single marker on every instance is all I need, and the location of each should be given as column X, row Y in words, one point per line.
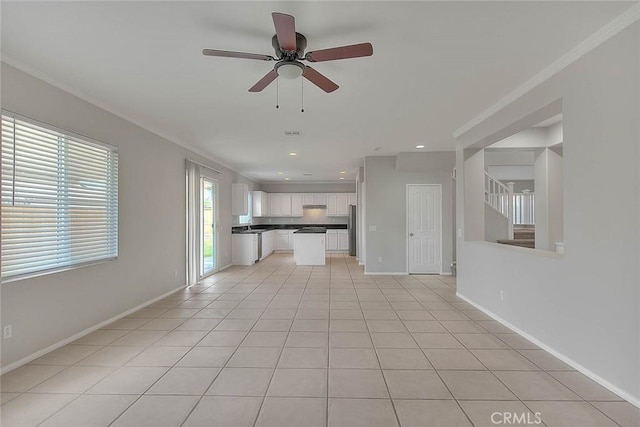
column 59, row 199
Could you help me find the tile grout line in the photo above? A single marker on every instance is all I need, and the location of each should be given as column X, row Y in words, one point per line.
column 264, row 398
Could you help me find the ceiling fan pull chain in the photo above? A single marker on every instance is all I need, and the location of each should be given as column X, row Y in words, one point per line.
column 277, row 92
column 302, row 94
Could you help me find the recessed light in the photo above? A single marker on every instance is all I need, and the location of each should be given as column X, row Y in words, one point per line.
column 286, row 179
column 419, row 146
column 342, row 172
column 342, row 177
column 293, row 154
column 280, row 173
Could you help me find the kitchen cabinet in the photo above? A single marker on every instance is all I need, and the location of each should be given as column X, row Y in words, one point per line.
column 296, row 204
column 260, row 203
column 268, row 243
column 320, row 198
column 338, row 203
column 292, row 239
column 332, row 204
column 308, row 199
column 332, row 240
column 244, row 249
column 343, row 204
column 282, row 240
column 314, row 199
column 239, row 199
column 337, row 240
column 279, row 204
column 343, row 240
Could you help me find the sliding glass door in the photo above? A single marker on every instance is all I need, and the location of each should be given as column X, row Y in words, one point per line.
column 208, row 221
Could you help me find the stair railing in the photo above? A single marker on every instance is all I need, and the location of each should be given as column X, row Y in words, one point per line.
column 524, row 208
column 500, row 197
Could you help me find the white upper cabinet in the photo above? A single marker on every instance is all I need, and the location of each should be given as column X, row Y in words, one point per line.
column 291, row 204
column 279, row 204
column 239, row 199
column 338, row 203
column 343, row 240
column 343, row 204
column 260, row 202
column 275, row 207
column 320, row 198
column 285, row 204
column 332, row 204
column 296, row 204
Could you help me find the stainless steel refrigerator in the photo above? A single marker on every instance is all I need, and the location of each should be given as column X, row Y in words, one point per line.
column 351, row 226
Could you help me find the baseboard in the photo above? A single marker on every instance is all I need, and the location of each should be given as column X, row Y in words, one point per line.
column 400, row 273
column 444, row 273
column 224, row 268
column 360, row 263
column 578, row 367
column 34, row 356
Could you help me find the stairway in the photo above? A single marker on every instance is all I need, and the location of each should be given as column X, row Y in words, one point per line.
column 523, row 235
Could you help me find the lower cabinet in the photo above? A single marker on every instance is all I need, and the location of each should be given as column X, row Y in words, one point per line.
column 244, row 249
column 332, row 240
column 282, row 240
column 337, row 240
column 268, row 243
column 343, row 240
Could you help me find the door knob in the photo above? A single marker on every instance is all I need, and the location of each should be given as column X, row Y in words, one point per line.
column 411, row 234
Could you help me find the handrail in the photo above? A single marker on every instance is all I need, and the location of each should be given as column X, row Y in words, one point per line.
column 500, row 197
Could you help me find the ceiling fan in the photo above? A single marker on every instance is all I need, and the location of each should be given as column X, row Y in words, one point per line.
column 289, row 47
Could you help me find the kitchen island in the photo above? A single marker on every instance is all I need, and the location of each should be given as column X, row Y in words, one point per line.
column 309, row 248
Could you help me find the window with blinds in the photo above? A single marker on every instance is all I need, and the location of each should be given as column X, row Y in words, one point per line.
column 59, row 199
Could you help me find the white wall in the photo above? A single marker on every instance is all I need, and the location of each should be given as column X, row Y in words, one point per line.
column 151, row 261
column 385, row 207
column 584, row 305
column 496, row 225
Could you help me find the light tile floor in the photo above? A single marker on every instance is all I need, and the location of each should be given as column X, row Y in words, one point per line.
column 279, row 345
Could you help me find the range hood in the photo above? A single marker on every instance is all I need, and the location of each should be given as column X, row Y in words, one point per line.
column 314, row 206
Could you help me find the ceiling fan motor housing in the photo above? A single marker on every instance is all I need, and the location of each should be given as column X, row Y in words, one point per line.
column 301, row 45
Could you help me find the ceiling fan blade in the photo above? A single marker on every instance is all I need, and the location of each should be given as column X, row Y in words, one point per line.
column 285, row 30
column 343, row 52
column 230, row 54
column 319, row 80
column 264, row 82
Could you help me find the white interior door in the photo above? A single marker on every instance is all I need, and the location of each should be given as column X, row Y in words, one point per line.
column 424, row 227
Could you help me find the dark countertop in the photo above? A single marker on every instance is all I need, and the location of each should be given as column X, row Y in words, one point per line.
column 311, row 230
column 269, row 227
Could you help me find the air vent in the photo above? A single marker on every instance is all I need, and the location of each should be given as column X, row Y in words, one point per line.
column 292, row 132
column 307, row 174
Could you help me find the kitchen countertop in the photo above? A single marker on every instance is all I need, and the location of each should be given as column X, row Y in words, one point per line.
column 256, row 229
column 311, row 230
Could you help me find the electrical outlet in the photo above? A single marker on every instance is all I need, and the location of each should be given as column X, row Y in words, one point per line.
column 7, row 332
column 501, row 295
column 175, row 272
column 379, row 259
column 459, row 232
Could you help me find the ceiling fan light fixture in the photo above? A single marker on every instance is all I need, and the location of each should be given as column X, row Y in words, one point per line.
column 289, row 70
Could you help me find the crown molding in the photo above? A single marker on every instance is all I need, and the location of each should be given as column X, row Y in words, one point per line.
column 40, row 75
column 590, row 43
column 341, row 182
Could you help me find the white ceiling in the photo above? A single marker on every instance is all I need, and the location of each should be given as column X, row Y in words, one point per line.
column 435, row 65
